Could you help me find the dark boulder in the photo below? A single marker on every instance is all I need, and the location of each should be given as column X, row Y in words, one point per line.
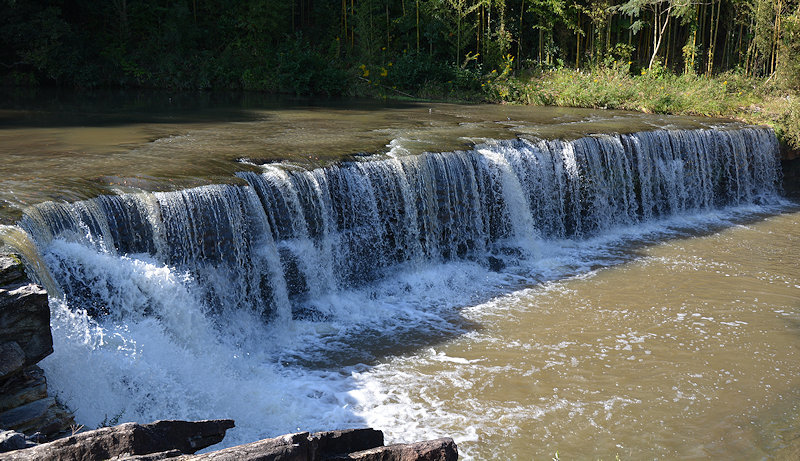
column 347, row 441
column 25, row 387
column 25, row 319
column 13, row 440
column 45, row 416
column 129, row 439
column 12, row 360
column 432, row 450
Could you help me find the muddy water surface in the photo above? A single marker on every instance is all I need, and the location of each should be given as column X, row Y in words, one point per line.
column 690, row 351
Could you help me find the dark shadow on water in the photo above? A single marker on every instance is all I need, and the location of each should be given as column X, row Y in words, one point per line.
column 48, row 107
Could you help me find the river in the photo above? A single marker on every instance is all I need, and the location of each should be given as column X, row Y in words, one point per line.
column 533, row 282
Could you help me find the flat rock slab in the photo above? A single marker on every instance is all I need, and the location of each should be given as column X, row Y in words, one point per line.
column 25, row 387
column 356, row 444
column 432, row 450
column 129, row 439
column 290, row 447
column 178, row 440
column 44, row 416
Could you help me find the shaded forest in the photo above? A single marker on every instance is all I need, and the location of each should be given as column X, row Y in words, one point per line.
column 330, row 47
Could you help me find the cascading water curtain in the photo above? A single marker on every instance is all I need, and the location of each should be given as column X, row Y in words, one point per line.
column 295, row 234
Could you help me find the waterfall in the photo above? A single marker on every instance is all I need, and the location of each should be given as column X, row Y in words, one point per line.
column 246, row 301
column 292, row 235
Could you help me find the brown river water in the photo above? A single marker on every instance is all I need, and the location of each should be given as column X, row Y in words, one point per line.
column 689, row 351
column 685, row 345
column 66, row 147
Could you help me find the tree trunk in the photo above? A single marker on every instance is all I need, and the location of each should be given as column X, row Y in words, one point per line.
column 658, row 34
column 578, row 41
column 714, row 35
column 388, row 39
column 519, row 39
column 417, row 26
column 777, row 34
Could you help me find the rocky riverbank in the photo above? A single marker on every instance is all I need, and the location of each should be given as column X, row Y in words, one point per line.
column 34, row 425
column 179, row 440
column 25, row 339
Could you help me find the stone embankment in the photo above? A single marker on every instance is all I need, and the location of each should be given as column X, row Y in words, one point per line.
column 28, row 416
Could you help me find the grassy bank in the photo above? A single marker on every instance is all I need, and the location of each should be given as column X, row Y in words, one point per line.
column 755, row 101
column 613, row 86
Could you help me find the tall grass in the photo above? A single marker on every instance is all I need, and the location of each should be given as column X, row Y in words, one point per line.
column 614, row 86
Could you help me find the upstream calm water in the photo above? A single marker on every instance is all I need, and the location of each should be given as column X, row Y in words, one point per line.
column 532, row 282
column 57, row 146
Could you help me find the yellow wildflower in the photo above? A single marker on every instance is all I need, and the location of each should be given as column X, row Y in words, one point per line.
column 384, row 73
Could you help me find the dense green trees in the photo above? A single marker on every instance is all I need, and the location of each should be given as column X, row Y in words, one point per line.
column 316, row 46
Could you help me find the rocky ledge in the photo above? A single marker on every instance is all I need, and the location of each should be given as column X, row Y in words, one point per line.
column 179, row 440
column 25, row 339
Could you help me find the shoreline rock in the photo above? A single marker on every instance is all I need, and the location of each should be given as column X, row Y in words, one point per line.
column 124, row 440
column 25, row 339
column 179, row 440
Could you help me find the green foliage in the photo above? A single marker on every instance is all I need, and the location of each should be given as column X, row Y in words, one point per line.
column 439, row 46
column 790, row 124
column 643, row 55
column 613, row 87
column 789, row 69
column 302, row 70
column 413, row 72
column 780, row 111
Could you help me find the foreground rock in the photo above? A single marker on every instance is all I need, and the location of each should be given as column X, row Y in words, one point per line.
column 431, row 450
column 178, row 440
column 24, row 314
column 301, row 446
column 129, row 439
column 13, row 440
column 25, row 339
column 354, row 444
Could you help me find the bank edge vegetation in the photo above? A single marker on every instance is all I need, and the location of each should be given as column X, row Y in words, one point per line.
column 709, row 57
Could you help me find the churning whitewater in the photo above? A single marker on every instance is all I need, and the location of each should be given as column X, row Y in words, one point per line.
column 269, row 302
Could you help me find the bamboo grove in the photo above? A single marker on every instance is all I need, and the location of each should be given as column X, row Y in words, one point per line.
column 316, row 46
